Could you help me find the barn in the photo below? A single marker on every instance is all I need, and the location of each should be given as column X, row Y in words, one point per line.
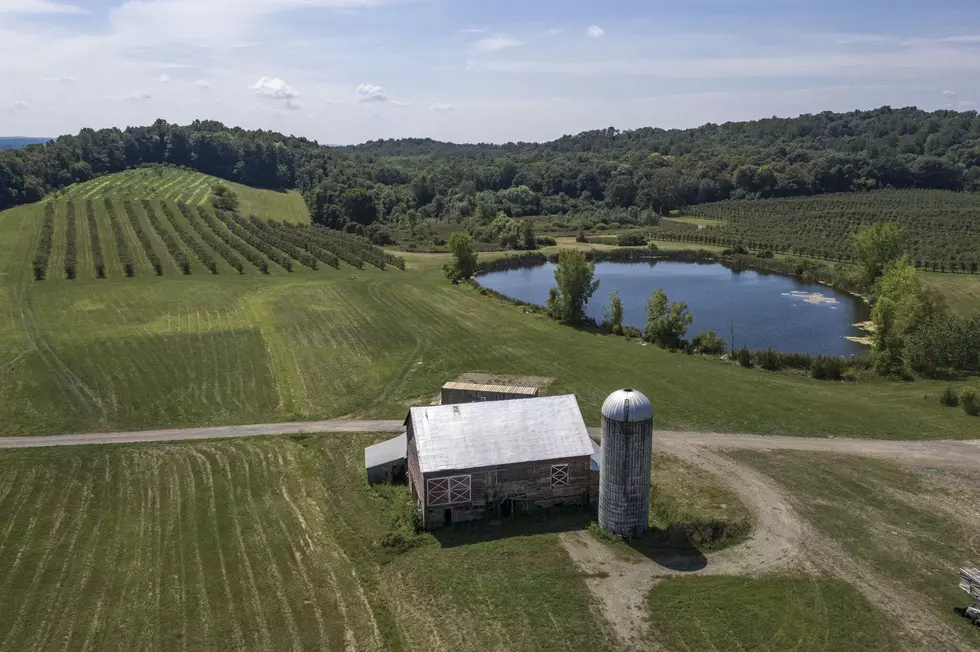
column 473, row 460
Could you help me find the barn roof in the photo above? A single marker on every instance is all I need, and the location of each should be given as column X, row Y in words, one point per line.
column 493, row 433
column 386, row 452
column 499, row 389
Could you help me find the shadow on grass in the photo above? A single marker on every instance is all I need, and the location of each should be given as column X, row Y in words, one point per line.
column 656, row 546
column 464, row 534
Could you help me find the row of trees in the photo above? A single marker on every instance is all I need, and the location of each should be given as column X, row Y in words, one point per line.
column 143, row 237
column 93, row 230
column 221, row 229
column 122, row 242
column 46, row 239
column 272, row 236
column 189, row 241
column 71, row 236
column 177, row 252
column 201, row 228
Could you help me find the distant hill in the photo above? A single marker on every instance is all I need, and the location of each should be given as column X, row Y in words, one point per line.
column 18, row 142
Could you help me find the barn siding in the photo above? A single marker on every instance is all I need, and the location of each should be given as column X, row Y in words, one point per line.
column 530, row 481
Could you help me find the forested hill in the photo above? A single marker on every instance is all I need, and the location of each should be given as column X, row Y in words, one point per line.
column 625, row 172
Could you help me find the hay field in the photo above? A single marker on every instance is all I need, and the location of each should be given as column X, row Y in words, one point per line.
column 257, row 545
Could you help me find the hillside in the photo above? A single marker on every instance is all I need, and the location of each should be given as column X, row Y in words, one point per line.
column 153, row 351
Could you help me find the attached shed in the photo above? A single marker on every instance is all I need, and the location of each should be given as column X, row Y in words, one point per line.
column 456, row 392
column 387, row 461
column 473, row 460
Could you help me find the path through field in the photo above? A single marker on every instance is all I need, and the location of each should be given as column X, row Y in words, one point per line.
column 781, row 539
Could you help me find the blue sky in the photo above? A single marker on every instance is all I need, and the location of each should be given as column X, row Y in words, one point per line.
column 344, row 71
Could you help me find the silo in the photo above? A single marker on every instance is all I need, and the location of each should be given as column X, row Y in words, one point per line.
column 624, row 476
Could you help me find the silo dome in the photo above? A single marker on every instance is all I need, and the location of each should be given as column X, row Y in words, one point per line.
column 627, row 451
column 627, row 405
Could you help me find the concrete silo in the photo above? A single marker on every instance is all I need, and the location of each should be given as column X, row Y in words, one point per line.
column 624, row 476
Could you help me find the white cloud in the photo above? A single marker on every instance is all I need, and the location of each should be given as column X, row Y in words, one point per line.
column 495, row 43
column 274, row 88
column 61, row 79
column 442, row 108
column 21, row 106
column 594, row 31
column 371, row 93
column 38, row 7
column 966, row 38
column 949, row 93
column 471, row 30
column 139, row 97
column 163, row 79
column 202, row 84
column 401, row 103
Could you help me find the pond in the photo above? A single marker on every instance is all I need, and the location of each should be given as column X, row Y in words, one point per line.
column 783, row 313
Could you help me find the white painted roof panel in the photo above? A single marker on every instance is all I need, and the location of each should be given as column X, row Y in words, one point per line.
column 492, row 433
column 386, row 452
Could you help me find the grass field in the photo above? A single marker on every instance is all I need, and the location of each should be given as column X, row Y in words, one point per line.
column 167, row 184
column 911, row 526
column 258, row 545
column 152, row 352
column 772, row 614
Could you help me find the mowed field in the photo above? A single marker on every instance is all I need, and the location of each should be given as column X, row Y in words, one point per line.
column 259, row 545
column 152, row 352
column 168, row 184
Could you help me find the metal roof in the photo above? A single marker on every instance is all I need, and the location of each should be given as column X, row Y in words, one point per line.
column 500, row 389
column 386, row 452
column 627, row 405
column 492, row 433
column 595, row 462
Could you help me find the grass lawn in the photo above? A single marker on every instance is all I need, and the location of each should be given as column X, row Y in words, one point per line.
column 912, row 526
column 962, row 291
column 258, row 545
column 768, row 614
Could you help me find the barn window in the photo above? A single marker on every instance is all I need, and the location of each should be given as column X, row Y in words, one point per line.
column 559, row 474
column 449, row 490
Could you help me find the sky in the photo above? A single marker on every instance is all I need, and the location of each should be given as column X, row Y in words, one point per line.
column 347, row 71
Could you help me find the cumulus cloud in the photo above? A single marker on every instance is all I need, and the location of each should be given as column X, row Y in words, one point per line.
column 594, row 31
column 164, row 78
column 371, row 93
column 274, row 88
column 21, row 106
column 494, row 43
column 949, row 93
column 38, row 7
column 442, row 108
column 202, row 84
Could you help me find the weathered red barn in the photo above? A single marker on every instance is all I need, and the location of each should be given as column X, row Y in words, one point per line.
column 471, row 460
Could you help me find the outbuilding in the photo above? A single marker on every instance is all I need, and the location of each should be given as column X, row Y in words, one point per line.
column 386, row 461
column 472, row 460
column 460, row 392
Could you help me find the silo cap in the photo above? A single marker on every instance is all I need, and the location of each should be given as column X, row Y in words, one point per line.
column 627, row 405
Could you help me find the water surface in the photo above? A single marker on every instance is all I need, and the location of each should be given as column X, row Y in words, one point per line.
column 766, row 310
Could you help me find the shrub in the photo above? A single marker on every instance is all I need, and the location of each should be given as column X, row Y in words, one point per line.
column 632, row 331
column 769, row 360
column 949, row 398
column 796, row 360
column 824, row 367
column 600, row 227
column 652, row 246
column 631, row 239
column 970, row 402
column 708, row 344
column 764, row 254
column 545, row 241
column 744, row 357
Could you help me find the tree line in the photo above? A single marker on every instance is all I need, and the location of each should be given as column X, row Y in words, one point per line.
column 629, row 176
